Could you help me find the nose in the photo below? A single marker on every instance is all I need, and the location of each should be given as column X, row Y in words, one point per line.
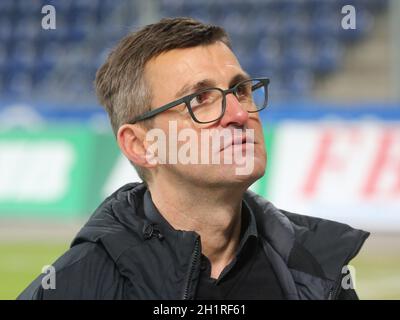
column 235, row 114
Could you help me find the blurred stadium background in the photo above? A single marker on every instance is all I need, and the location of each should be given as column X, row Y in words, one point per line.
column 332, row 127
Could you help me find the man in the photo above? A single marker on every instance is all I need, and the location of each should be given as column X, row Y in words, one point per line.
column 192, row 230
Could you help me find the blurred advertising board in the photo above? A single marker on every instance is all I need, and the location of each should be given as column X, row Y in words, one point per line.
column 341, row 170
column 52, row 171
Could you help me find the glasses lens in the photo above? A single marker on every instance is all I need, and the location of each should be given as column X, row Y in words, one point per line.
column 207, row 105
column 252, row 94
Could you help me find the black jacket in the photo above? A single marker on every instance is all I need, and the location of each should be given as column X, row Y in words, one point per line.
column 121, row 254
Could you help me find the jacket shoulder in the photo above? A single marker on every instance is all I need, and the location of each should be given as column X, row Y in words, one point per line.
column 85, row 271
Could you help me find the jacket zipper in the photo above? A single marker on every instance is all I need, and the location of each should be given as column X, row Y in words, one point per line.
column 193, row 263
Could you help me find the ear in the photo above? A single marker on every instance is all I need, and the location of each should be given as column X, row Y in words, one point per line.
column 131, row 140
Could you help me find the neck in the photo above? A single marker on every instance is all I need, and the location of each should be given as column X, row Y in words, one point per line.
column 215, row 214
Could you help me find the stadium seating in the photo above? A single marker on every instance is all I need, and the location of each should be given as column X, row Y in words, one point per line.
column 291, row 41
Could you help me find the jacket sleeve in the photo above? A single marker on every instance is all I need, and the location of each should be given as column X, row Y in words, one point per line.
column 85, row 272
column 33, row 291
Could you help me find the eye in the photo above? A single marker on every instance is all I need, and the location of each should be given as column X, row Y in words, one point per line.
column 244, row 89
column 200, row 99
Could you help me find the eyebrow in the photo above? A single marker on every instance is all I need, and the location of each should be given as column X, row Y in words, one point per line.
column 209, row 83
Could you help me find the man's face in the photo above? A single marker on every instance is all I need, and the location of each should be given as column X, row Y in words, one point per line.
column 214, row 66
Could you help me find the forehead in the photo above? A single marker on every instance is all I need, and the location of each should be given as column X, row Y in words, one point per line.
column 173, row 69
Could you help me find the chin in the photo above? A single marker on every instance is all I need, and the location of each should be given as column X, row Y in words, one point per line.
column 250, row 167
column 227, row 175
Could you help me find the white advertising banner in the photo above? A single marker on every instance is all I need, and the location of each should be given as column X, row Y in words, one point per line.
column 346, row 171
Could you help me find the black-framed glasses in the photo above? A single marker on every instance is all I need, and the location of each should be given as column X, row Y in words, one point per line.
column 203, row 105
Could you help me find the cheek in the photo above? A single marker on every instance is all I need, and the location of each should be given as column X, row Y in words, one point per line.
column 262, row 150
column 256, row 125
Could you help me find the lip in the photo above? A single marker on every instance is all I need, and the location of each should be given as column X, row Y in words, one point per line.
column 237, row 140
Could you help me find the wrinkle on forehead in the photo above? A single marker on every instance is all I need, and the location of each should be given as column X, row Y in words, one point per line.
column 217, row 58
column 171, row 70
